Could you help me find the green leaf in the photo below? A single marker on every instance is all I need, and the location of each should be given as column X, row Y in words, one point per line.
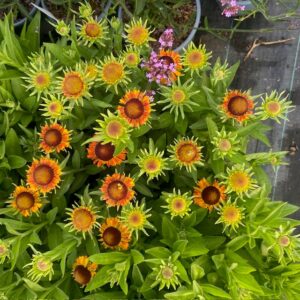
column 105, row 296
column 16, row 162
column 137, row 256
column 2, row 149
column 212, row 127
column 215, row 291
column 123, row 279
column 248, row 282
column 159, row 252
column 143, row 189
column 101, row 278
column 195, row 247
column 180, row 295
column 12, row 143
column 137, row 276
column 108, row 258
column 169, row 230
column 33, row 285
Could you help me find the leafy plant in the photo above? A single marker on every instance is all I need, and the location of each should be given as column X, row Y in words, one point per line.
column 115, row 193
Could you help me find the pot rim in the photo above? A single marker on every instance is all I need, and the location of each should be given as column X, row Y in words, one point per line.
column 31, row 13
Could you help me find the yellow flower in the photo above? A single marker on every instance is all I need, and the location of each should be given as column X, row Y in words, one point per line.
column 137, row 32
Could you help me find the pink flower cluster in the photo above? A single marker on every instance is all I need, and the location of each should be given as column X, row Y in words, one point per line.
column 231, row 7
column 159, row 69
column 167, row 38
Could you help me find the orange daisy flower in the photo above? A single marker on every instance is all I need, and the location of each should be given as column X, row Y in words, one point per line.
column 135, row 108
column 44, row 175
column 26, row 200
column 83, row 270
column 171, row 57
column 103, row 154
column 117, row 190
column 238, row 105
column 209, row 195
column 54, row 138
column 114, row 234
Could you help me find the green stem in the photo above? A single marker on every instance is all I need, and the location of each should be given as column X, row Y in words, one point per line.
column 127, row 11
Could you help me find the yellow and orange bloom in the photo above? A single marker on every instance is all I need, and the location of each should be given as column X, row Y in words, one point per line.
column 231, row 216
column 54, row 107
column 114, row 234
column 137, row 33
column 170, row 57
column 25, row 200
column 91, row 69
column 209, row 195
column 237, row 105
column 186, row 153
column 82, row 218
column 117, row 190
column 74, row 85
column 196, row 58
column 177, row 204
column 132, row 57
column 135, row 108
column 239, row 180
column 113, row 72
column 92, row 31
column 83, row 270
column 103, row 154
column 44, row 175
column 275, row 106
column 54, row 137
column 40, row 74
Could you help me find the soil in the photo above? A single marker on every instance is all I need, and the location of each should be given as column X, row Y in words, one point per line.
column 184, row 17
column 60, row 11
column 18, row 14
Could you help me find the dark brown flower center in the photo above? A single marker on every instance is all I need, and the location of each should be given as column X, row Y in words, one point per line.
column 53, row 137
column 134, row 108
column 112, row 236
column 82, row 275
column 167, row 59
column 117, row 190
column 43, row 174
column 105, row 151
column 24, row 200
column 92, row 30
column 238, row 105
column 211, row 195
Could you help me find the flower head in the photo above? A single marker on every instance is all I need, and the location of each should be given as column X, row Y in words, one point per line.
column 151, row 162
column 91, row 69
column 131, row 57
column 209, row 195
column 74, row 85
column 113, row 129
column 117, row 190
column 231, row 215
column 135, row 217
column 138, row 33
column 275, row 106
column 226, row 144
column 237, row 105
column 114, row 234
column 166, row 275
column 44, row 175
column 41, row 266
column 186, row 153
column 135, row 108
column 113, row 72
column 178, row 98
column 4, row 251
column 25, row 200
column 166, row 40
column 82, row 218
column 219, row 72
column 54, row 137
column 195, row 58
column 92, row 31
column 163, row 68
column 40, row 74
column 83, row 270
column 103, row 154
column 177, row 204
column 54, row 108
column 231, row 8
column 61, row 27
column 85, row 10
column 239, row 180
